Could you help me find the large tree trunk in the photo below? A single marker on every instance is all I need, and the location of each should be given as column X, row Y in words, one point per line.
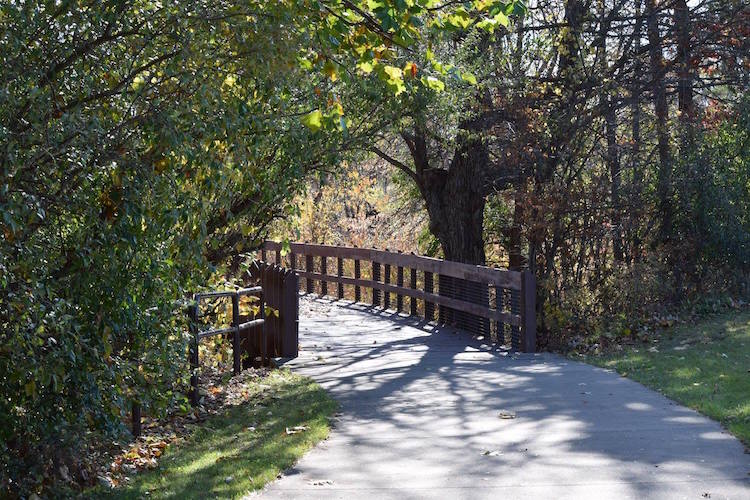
column 658, row 70
column 610, row 123
column 684, row 73
column 637, row 181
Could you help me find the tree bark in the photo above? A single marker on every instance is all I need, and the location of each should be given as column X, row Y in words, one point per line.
column 613, row 154
column 637, row 180
column 658, row 70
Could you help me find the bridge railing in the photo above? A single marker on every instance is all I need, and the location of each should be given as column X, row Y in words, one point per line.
column 495, row 303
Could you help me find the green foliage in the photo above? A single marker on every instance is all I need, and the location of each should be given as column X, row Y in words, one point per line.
column 141, row 145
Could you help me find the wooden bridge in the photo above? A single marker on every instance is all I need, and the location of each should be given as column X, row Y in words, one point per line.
column 496, row 304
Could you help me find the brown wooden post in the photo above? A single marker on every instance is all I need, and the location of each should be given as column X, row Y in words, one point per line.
column 324, row 272
column 340, row 273
column 193, row 318
column 357, row 275
column 237, row 365
column 292, row 261
column 500, row 306
column 429, row 307
column 413, row 286
column 263, row 328
column 400, row 283
column 376, row 278
column 387, row 281
column 263, row 254
column 290, row 316
column 136, row 418
column 309, row 267
column 278, row 257
column 528, row 312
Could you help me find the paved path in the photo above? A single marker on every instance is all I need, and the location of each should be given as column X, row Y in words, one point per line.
column 420, row 419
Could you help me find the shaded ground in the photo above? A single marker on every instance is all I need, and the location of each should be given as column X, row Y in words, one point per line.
column 705, row 366
column 434, row 414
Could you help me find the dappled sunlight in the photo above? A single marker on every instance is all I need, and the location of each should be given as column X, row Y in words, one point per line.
column 469, row 418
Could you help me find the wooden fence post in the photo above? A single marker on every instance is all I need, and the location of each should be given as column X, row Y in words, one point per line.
column 357, row 275
column 399, row 283
column 193, row 318
column 289, row 316
column 136, row 418
column 237, row 366
column 429, row 307
column 387, row 281
column 309, row 267
column 340, row 273
column 528, row 311
column 324, row 272
column 375, row 277
column 413, row 286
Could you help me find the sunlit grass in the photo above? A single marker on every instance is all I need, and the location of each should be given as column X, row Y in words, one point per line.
column 705, row 366
column 226, row 458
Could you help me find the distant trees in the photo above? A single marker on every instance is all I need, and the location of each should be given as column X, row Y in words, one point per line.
column 588, row 134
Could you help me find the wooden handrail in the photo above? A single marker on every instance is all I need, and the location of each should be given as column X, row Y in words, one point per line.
column 460, row 291
column 497, row 277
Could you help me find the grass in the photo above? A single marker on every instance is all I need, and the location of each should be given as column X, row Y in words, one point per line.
column 225, row 446
column 705, row 366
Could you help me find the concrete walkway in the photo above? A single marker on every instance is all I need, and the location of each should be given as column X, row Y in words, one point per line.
column 420, row 418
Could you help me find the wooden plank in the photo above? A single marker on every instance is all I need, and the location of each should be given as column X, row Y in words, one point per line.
column 498, row 277
column 528, row 314
column 429, row 298
column 290, row 316
column 213, row 295
column 324, row 271
column 340, row 272
column 375, row 278
column 413, row 286
column 387, row 280
column 309, row 267
column 277, row 256
column 429, row 307
column 357, row 275
column 399, row 283
column 193, row 354
column 236, row 365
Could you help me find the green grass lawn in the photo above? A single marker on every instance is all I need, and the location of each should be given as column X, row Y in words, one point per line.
column 705, row 366
column 226, row 457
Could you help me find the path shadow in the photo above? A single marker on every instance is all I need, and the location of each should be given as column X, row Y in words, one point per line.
column 418, row 396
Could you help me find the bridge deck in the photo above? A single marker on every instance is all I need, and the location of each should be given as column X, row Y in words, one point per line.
column 420, row 418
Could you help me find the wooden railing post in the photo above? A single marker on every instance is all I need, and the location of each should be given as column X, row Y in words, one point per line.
column 413, row 286
column 263, row 254
column 429, row 307
column 136, row 418
column 528, row 312
column 237, row 366
column 376, row 278
column 340, row 273
column 399, row 283
column 324, row 272
column 193, row 318
column 290, row 316
column 387, row 281
column 309, row 267
column 357, row 275
column 264, row 330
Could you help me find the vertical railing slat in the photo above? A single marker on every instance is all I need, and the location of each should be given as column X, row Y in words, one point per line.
column 357, row 275
column 340, row 273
